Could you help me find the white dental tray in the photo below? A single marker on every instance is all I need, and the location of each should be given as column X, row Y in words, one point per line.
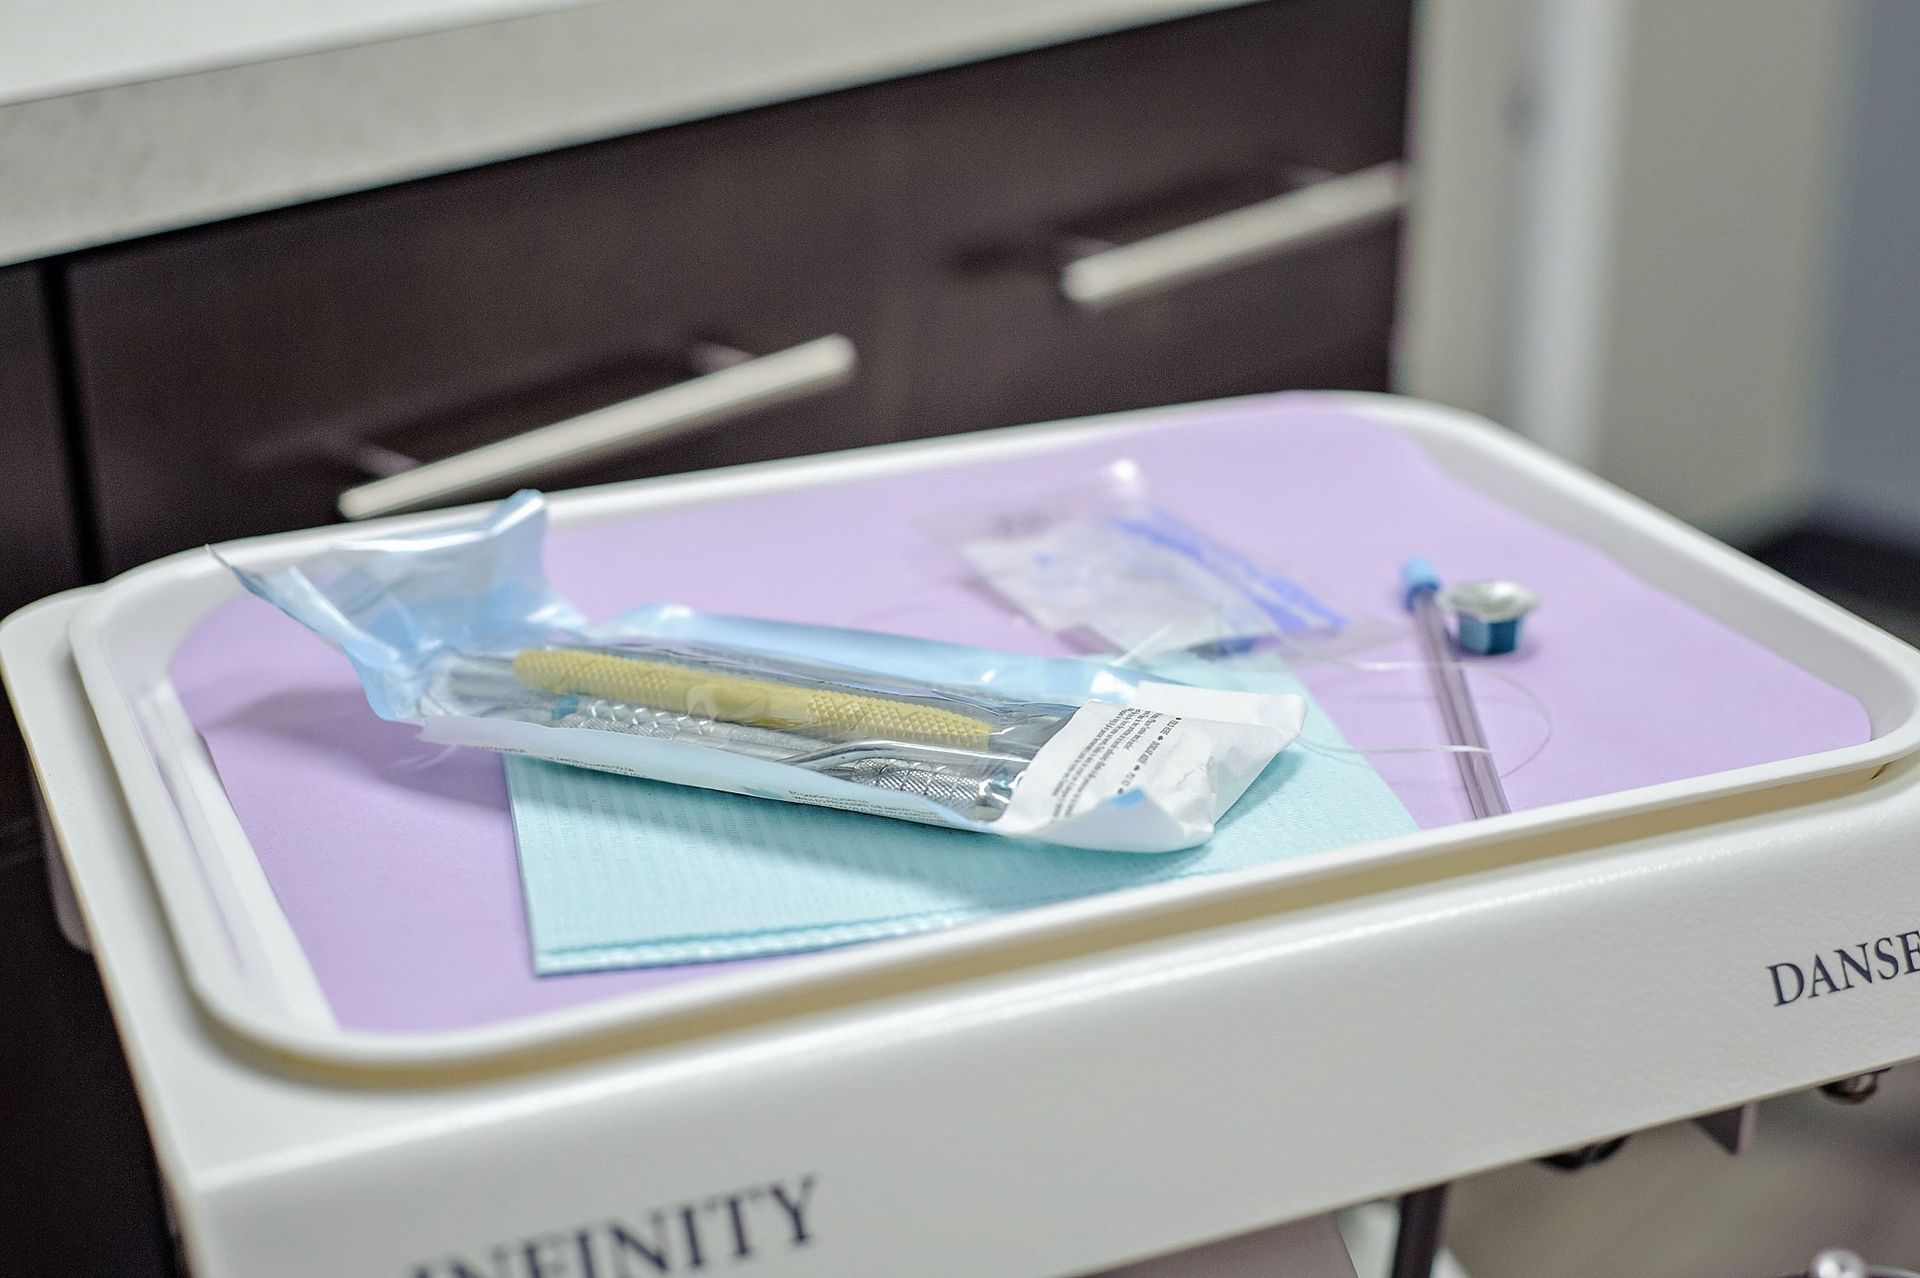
column 247, row 968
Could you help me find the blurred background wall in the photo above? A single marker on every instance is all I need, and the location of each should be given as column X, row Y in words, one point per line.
column 1712, row 329
column 1673, row 242
column 1868, row 475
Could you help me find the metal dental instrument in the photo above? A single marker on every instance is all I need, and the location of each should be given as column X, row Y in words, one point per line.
column 976, row 779
column 1421, row 584
column 975, row 784
column 566, row 711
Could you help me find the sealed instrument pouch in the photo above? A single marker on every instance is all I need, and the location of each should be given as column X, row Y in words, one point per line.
column 457, row 631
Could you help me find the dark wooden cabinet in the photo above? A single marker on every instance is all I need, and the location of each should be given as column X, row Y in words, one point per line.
column 235, row 379
column 75, row 1168
column 38, row 517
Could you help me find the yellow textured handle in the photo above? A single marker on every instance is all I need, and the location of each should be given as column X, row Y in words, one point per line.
column 814, row 712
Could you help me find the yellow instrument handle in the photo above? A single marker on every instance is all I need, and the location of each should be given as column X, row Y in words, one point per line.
column 815, row 712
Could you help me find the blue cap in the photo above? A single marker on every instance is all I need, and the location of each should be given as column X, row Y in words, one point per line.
column 1416, row 575
column 1488, row 613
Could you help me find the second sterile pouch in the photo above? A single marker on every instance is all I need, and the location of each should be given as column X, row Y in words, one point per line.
column 1102, row 563
column 457, row 631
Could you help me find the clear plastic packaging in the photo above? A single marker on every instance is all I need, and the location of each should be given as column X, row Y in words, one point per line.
column 1102, row 564
column 458, row 632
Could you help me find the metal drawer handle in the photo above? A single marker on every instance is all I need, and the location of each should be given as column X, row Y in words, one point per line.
column 1322, row 210
column 738, row 384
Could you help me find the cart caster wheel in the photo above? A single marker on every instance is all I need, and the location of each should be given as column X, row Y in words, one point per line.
column 1852, row 1091
column 1836, row 1263
column 1585, row 1156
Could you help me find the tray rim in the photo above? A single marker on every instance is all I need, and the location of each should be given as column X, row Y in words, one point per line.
column 194, row 922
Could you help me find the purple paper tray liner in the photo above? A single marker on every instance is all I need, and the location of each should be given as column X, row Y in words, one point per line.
column 394, row 860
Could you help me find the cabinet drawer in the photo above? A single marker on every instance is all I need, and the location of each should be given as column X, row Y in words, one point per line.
column 1012, row 169
column 238, row 379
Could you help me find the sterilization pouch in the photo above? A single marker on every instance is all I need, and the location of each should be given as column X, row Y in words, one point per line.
column 458, row 632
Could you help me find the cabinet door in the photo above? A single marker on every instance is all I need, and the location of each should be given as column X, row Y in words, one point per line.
column 76, row 1167
column 37, row 515
column 1015, row 170
column 37, row 523
column 239, row 378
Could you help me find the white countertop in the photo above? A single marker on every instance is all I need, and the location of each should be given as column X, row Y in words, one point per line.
column 56, row 49
column 120, row 118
